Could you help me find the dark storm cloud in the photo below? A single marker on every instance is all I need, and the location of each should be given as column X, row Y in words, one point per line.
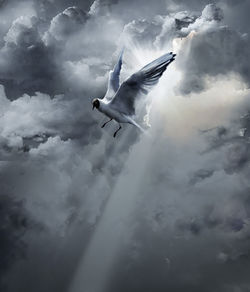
column 201, row 175
column 234, row 141
column 64, row 24
column 236, row 14
column 27, row 65
column 11, row 10
column 220, row 51
column 15, row 223
column 33, row 54
column 36, row 126
column 48, row 9
column 237, row 157
column 215, row 49
column 190, row 225
column 209, row 237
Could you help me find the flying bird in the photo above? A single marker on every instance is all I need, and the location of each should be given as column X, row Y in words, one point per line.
column 119, row 101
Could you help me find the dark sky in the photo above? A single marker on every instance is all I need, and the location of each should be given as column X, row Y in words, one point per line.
column 83, row 212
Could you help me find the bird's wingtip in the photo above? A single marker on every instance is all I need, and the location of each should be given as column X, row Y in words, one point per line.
column 173, row 55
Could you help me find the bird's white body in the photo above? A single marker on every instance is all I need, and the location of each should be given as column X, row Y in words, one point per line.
column 119, row 101
column 109, row 111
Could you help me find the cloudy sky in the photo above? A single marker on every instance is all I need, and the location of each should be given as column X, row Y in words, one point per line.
column 83, row 212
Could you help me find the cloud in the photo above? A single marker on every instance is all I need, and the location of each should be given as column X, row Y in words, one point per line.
column 27, row 65
column 211, row 50
column 169, row 212
column 215, row 46
column 63, row 24
column 16, row 222
column 178, row 218
column 201, row 175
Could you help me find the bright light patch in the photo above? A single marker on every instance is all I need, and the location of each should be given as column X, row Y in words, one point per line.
column 183, row 116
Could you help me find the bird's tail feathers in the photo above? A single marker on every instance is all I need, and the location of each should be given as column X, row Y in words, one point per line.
column 139, row 127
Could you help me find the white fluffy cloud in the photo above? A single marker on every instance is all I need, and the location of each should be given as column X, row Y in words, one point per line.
column 65, row 23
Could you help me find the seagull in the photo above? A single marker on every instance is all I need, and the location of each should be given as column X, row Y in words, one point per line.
column 119, row 101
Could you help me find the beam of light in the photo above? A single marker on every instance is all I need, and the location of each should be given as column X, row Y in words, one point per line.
column 95, row 267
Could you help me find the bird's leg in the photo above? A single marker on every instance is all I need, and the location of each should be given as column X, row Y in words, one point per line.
column 117, row 130
column 106, row 123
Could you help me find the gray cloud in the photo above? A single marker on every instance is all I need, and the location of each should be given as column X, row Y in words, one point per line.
column 64, row 24
column 226, row 51
column 170, row 212
column 27, row 65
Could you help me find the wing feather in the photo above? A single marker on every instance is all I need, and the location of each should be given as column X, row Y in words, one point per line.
column 140, row 82
column 114, row 79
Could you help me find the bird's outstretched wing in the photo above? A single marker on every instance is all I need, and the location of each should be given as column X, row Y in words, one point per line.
column 140, row 82
column 114, row 79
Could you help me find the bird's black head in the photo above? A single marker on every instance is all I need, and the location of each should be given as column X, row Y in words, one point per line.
column 95, row 103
